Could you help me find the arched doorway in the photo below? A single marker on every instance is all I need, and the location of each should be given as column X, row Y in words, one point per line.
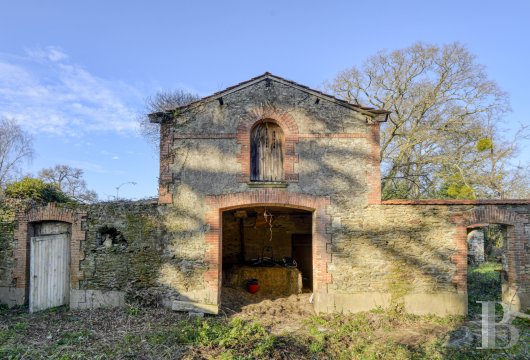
column 269, row 198
column 270, row 244
column 49, row 275
column 44, row 235
column 514, row 281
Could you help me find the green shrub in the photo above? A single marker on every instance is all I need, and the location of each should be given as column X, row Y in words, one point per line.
column 37, row 190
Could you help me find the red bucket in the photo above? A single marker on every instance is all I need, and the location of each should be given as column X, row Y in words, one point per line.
column 252, row 286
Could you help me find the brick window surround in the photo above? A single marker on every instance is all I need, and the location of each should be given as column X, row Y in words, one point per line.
column 23, row 234
column 290, row 129
column 515, row 252
column 321, row 239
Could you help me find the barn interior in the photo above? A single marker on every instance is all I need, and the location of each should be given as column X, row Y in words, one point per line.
column 270, row 246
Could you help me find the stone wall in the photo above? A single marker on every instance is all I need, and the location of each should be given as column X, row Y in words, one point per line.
column 135, row 251
column 152, row 257
column 329, row 158
column 365, row 253
column 408, row 254
column 396, row 256
column 9, row 293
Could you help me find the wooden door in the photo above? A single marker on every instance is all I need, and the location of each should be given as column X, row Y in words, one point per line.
column 266, row 152
column 49, row 271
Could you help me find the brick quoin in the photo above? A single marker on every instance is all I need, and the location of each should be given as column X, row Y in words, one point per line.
column 166, row 160
column 321, row 239
column 374, row 175
column 24, row 232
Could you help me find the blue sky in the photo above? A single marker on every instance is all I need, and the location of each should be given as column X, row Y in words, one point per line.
column 76, row 74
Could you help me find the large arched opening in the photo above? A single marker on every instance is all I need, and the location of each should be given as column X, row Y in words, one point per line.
column 284, row 204
column 268, row 246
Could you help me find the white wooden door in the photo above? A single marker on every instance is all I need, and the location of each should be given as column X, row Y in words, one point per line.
column 49, row 271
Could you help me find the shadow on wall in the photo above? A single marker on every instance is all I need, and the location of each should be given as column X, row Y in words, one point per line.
column 138, row 249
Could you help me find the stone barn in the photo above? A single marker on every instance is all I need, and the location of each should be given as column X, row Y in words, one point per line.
column 273, row 181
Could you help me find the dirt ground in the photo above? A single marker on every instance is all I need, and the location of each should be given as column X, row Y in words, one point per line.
column 279, row 314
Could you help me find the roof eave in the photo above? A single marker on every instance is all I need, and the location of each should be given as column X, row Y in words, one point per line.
column 159, row 117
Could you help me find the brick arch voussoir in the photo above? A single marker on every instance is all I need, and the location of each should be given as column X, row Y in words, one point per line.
column 283, row 119
column 51, row 213
column 492, row 214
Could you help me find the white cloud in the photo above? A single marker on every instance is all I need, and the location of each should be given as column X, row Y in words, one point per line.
column 51, row 53
column 45, row 92
column 115, row 158
column 89, row 166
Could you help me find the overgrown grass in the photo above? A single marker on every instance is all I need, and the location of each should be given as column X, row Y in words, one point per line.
column 483, row 284
column 378, row 334
column 162, row 334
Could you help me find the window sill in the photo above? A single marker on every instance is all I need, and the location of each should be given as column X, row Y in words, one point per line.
column 267, row 184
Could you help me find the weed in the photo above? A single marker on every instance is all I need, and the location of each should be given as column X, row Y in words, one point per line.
column 74, row 338
column 20, row 326
column 132, row 310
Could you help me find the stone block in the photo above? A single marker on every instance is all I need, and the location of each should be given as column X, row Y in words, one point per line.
column 11, row 296
column 193, row 307
column 442, row 304
column 92, row 299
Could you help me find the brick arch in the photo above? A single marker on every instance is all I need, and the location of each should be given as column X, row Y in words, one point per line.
column 290, row 129
column 271, row 197
column 492, row 214
column 516, row 254
column 23, row 233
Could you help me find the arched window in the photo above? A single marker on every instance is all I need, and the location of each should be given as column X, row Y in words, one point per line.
column 266, row 152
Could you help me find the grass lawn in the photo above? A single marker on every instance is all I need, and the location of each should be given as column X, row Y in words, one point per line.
column 266, row 330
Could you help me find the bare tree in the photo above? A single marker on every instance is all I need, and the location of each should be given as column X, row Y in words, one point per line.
column 162, row 101
column 70, row 181
column 443, row 106
column 16, row 146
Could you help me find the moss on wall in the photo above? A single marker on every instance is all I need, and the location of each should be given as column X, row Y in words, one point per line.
column 151, row 249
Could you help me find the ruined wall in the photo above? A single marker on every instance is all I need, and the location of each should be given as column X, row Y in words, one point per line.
column 152, row 257
column 131, row 251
